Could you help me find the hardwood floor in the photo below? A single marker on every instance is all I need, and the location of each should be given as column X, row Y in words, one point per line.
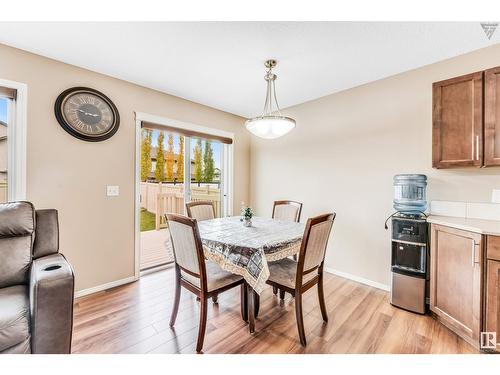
column 134, row 319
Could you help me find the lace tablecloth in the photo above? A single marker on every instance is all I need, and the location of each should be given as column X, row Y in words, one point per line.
column 244, row 250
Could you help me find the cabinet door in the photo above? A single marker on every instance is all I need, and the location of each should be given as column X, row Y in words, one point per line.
column 492, row 117
column 455, row 294
column 457, row 122
column 493, row 299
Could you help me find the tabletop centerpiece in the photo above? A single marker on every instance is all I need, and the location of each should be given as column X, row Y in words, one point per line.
column 246, row 215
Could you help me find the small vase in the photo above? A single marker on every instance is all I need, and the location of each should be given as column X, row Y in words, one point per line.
column 247, row 222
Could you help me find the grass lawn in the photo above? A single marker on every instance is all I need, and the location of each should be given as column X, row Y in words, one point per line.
column 147, row 220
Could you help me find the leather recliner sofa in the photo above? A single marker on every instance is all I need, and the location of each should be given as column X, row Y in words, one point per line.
column 36, row 282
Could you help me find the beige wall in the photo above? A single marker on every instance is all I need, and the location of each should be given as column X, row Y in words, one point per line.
column 347, row 147
column 341, row 157
column 97, row 232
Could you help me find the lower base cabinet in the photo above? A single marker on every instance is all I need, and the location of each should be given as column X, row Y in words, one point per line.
column 465, row 284
column 456, row 280
column 492, row 311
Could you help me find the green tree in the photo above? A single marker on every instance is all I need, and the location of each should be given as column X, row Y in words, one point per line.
column 170, row 157
column 208, row 162
column 160, row 159
column 146, row 154
column 180, row 160
column 198, row 168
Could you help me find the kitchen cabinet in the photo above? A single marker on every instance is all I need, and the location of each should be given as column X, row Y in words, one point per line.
column 456, row 280
column 466, row 120
column 492, row 117
column 492, row 323
column 492, row 309
column 457, row 130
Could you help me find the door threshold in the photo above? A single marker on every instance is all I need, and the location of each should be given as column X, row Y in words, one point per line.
column 154, row 269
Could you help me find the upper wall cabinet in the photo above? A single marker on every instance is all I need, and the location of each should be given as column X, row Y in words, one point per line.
column 466, row 121
column 492, row 117
column 458, row 122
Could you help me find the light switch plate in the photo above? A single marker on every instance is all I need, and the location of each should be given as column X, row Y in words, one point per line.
column 112, row 190
column 495, row 196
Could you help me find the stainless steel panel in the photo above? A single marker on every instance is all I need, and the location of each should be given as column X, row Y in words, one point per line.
column 408, row 292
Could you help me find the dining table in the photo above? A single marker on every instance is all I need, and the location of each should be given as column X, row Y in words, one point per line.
column 246, row 250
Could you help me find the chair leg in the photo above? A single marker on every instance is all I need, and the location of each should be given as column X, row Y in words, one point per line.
column 299, row 317
column 177, row 298
column 256, row 304
column 282, row 294
column 203, row 324
column 244, row 302
column 275, row 290
column 251, row 318
column 215, row 299
column 321, row 296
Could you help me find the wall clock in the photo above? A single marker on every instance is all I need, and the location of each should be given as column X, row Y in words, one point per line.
column 87, row 114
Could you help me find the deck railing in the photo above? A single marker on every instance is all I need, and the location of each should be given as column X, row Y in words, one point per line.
column 161, row 198
column 3, row 192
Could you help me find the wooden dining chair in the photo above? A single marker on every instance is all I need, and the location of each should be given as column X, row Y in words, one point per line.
column 284, row 210
column 201, row 210
column 201, row 277
column 287, row 210
column 298, row 277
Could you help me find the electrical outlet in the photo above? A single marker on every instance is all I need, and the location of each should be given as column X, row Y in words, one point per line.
column 112, row 190
column 495, row 196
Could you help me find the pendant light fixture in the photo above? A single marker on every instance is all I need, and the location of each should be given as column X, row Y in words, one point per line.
column 271, row 124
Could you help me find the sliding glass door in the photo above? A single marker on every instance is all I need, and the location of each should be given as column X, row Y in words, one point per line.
column 161, row 192
column 176, row 168
column 206, row 174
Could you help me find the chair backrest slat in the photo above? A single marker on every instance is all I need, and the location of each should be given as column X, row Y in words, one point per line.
column 201, row 210
column 314, row 243
column 287, row 210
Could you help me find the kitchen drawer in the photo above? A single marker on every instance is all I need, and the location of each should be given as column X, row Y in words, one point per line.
column 493, row 247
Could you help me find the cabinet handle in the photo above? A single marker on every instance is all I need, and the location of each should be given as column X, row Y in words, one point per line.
column 473, row 257
column 474, row 244
column 477, row 147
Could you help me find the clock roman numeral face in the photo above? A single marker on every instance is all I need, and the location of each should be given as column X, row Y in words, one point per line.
column 88, row 114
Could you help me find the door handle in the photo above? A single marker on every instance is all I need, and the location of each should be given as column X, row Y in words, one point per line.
column 473, row 254
column 474, row 244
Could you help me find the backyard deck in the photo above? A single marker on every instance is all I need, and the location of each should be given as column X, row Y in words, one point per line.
column 155, row 248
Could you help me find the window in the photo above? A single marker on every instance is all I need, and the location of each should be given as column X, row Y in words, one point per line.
column 4, row 150
column 13, row 108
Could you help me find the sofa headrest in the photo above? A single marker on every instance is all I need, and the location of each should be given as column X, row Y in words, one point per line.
column 16, row 219
column 46, row 233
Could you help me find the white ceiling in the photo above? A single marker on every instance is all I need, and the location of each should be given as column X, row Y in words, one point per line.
column 220, row 64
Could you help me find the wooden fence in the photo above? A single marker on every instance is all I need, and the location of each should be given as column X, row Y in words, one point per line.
column 161, row 198
column 3, row 192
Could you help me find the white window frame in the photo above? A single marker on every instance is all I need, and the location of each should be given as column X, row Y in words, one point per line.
column 227, row 162
column 16, row 140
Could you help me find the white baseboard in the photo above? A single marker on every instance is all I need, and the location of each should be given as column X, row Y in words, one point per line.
column 358, row 279
column 100, row 288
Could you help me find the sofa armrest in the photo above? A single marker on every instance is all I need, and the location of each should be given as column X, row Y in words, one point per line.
column 51, row 305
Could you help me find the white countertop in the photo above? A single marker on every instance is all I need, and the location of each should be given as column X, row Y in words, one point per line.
column 491, row 227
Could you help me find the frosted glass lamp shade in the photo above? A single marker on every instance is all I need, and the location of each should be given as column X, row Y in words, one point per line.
column 270, row 127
